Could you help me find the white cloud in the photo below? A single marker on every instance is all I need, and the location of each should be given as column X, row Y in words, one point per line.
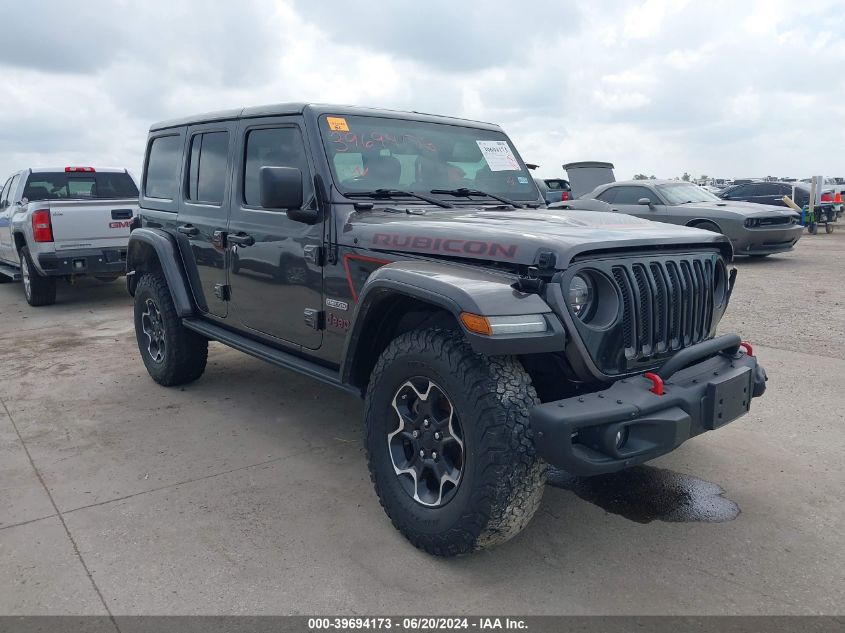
column 725, row 88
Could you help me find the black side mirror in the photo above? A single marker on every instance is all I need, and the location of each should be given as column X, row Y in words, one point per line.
column 645, row 202
column 280, row 187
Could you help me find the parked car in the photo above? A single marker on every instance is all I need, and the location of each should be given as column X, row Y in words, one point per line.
column 488, row 336
column 64, row 222
column 772, row 193
column 753, row 229
column 554, row 189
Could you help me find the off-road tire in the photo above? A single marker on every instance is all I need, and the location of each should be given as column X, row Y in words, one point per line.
column 812, row 229
column 502, row 480
column 185, row 352
column 41, row 290
column 828, row 228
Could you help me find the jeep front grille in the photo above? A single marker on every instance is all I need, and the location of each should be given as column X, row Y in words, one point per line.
column 665, row 303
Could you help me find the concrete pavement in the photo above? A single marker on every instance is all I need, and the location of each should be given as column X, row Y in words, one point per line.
column 247, row 492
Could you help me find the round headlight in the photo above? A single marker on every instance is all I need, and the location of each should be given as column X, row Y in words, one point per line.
column 581, row 295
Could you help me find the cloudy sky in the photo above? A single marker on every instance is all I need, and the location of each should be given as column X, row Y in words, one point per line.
column 730, row 89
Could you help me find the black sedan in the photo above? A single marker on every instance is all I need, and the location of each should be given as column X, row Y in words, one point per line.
column 773, row 193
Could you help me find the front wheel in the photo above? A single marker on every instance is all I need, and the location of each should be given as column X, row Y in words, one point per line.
column 448, row 444
column 172, row 354
column 38, row 289
column 706, row 226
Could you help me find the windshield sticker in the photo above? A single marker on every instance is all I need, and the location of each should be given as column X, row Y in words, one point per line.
column 337, row 124
column 523, row 180
column 498, row 155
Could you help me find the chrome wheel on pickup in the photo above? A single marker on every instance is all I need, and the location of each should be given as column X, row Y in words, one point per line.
column 38, row 290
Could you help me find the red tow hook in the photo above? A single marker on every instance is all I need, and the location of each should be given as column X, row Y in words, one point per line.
column 656, row 383
column 747, row 347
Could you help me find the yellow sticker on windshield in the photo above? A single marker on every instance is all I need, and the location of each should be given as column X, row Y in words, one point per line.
column 337, row 124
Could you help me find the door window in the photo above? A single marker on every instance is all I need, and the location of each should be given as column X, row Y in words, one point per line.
column 162, row 174
column 9, row 195
column 631, row 195
column 273, row 147
column 742, row 191
column 607, row 195
column 4, row 197
column 767, row 189
column 207, row 168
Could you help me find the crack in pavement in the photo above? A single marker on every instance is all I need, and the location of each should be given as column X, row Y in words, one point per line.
column 61, row 519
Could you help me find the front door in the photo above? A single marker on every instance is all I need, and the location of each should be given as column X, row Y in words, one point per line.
column 276, row 287
column 204, row 210
column 627, row 200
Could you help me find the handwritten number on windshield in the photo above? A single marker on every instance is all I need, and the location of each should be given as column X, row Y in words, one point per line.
column 347, row 141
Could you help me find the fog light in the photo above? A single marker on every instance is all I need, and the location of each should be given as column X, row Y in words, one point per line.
column 621, row 437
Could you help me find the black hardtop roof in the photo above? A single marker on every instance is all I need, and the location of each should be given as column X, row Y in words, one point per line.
column 318, row 109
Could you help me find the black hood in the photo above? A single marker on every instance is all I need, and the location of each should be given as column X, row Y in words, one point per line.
column 516, row 236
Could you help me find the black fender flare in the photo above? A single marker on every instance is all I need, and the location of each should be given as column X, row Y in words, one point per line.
column 455, row 289
column 164, row 246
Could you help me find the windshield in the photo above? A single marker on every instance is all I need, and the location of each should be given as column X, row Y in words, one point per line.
column 682, row 193
column 96, row 186
column 369, row 153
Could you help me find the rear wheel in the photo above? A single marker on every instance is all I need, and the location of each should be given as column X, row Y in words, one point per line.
column 38, row 289
column 813, row 228
column 828, row 228
column 172, row 354
column 449, row 448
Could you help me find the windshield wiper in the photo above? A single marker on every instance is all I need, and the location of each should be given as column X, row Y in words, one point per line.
column 398, row 193
column 463, row 192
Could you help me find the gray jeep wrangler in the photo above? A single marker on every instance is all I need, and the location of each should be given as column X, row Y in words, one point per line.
column 410, row 259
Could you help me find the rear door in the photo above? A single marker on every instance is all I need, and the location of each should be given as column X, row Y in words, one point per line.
column 6, row 249
column 204, row 210
column 276, row 282
column 764, row 193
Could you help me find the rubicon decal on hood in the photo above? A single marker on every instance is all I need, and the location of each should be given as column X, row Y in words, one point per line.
column 446, row 245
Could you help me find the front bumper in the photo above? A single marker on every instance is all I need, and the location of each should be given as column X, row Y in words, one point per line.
column 97, row 261
column 581, row 435
column 767, row 241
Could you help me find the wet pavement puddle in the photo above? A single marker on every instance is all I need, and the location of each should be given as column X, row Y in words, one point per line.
column 645, row 494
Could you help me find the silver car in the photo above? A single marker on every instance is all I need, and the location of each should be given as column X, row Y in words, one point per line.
column 755, row 230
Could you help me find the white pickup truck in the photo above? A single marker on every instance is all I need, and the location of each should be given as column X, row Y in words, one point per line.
column 63, row 223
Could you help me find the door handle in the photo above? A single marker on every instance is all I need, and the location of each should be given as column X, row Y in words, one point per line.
column 241, row 239
column 187, row 229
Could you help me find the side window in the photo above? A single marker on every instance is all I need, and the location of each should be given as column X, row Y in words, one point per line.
column 740, row 192
column 273, row 147
column 631, row 195
column 608, row 195
column 162, row 174
column 4, row 196
column 207, row 171
column 12, row 188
